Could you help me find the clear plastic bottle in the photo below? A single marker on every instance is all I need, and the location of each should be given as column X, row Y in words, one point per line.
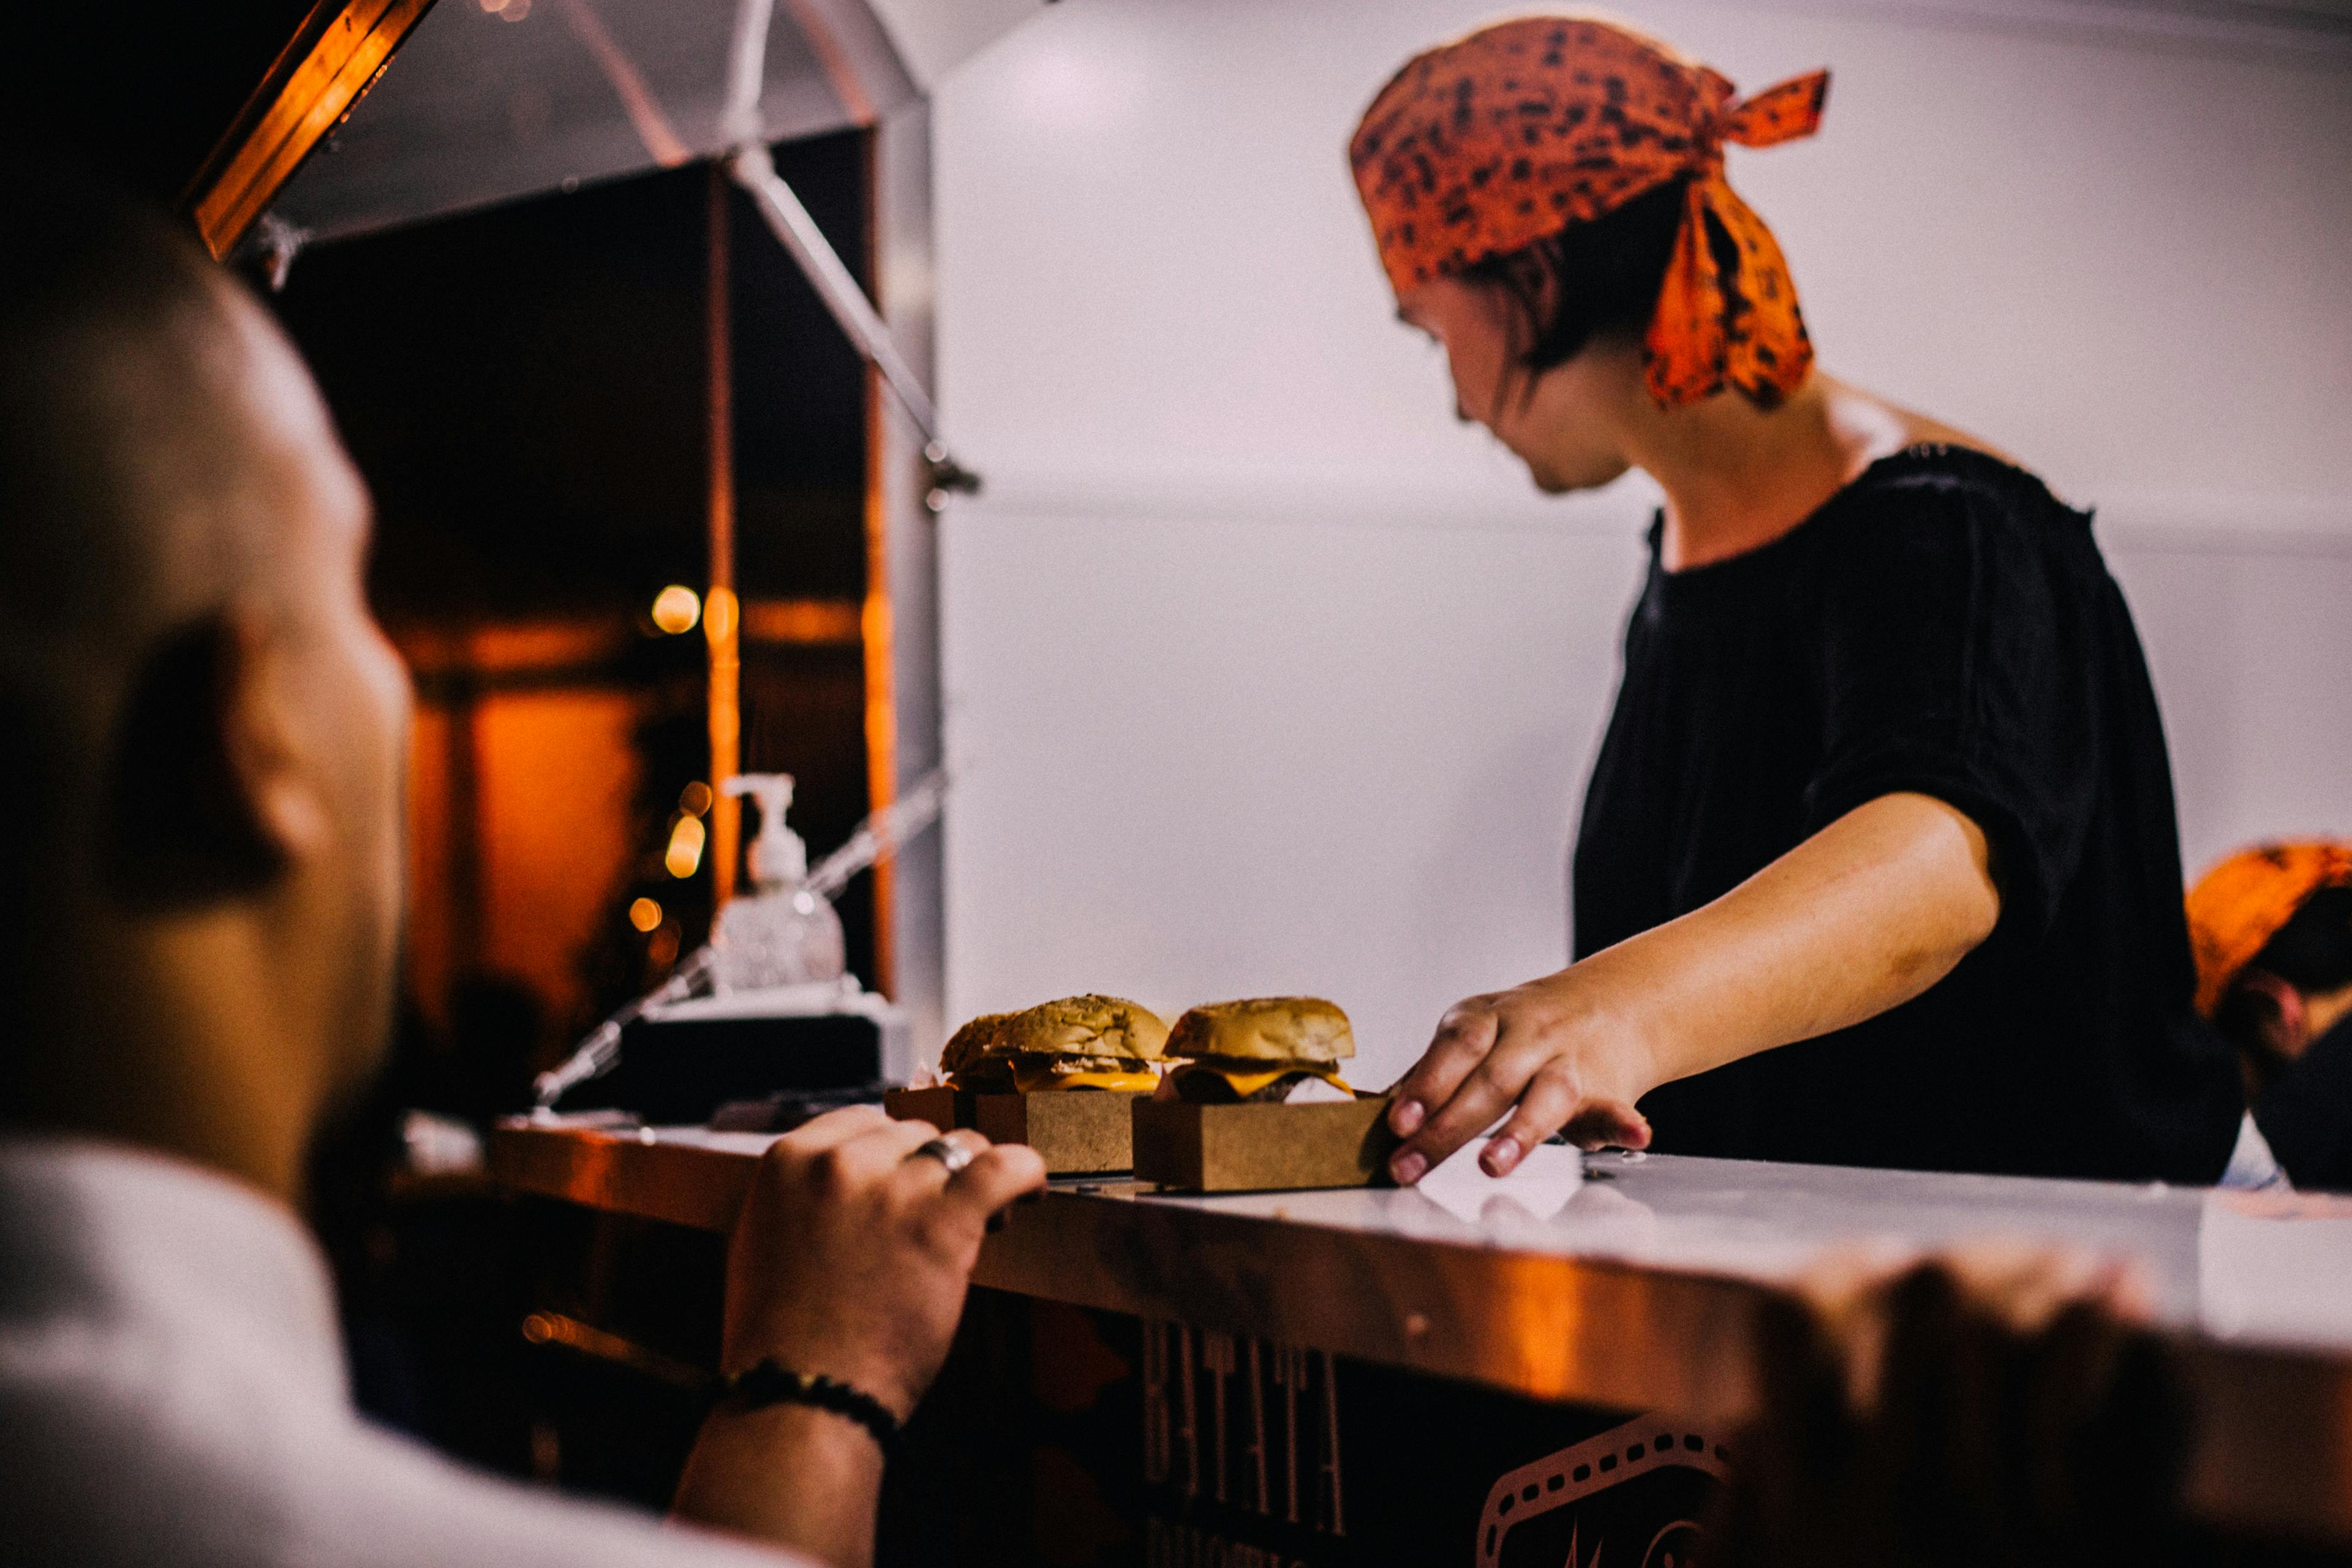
column 782, row 933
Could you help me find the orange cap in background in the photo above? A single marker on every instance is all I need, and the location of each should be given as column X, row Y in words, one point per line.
column 1481, row 147
column 2238, row 906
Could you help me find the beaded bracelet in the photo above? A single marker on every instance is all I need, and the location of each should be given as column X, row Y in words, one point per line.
column 770, row 1383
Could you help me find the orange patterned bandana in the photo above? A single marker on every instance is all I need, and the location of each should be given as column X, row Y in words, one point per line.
column 2238, row 905
column 1482, row 147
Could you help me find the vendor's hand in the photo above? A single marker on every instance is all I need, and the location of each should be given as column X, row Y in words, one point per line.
column 1999, row 1405
column 850, row 1260
column 1541, row 1047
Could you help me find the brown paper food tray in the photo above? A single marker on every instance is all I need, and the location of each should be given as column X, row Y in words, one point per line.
column 1262, row 1148
column 1079, row 1132
column 943, row 1108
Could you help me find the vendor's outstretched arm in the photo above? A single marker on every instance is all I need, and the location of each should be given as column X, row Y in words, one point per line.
column 1864, row 915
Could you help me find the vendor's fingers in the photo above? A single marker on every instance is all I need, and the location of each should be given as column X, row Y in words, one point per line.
column 1490, row 1090
column 1608, row 1124
column 1551, row 1098
column 1463, row 1038
column 1555, row 1101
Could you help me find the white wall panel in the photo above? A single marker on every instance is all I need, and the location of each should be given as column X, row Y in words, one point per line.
column 1202, row 759
column 2252, row 650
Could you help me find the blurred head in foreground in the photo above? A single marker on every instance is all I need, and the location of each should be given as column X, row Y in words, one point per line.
column 1548, row 202
column 199, row 824
column 2272, row 930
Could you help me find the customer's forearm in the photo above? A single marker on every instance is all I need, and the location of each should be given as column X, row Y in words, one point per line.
column 790, row 1474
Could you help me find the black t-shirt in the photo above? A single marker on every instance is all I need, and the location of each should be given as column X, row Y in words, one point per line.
column 2306, row 1114
column 1942, row 624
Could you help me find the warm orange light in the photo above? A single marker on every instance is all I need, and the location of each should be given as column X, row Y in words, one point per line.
column 676, row 609
column 645, row 914
column 718, row 624
column 662, row 950
column 685, row 852
column 694, row 798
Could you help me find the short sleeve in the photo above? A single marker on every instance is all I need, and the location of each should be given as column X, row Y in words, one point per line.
column 1954, row 663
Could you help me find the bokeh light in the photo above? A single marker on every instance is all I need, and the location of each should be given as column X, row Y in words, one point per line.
column 645, row 914
column 685, row 852
column 676, row 609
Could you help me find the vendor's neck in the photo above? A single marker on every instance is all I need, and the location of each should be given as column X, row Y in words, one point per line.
column 186, row 1050
column 1737, row 476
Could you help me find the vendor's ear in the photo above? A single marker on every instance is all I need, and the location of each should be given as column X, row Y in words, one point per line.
column 2278, row 1011
column 209, row 797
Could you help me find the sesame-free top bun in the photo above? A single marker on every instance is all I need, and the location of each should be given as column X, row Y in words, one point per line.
column 1264, row 1028
column 1084, row 1026
column 969, row 1043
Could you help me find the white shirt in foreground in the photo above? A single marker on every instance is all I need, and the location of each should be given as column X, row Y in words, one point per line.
column 172, row 1390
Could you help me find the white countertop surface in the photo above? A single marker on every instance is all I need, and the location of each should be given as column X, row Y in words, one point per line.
column 2262, row 1268
column 2249, row 1268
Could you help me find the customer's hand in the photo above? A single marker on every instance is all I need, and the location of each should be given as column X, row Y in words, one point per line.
column 850, row 1260
column 1996, row 1406
column 1544, row 1047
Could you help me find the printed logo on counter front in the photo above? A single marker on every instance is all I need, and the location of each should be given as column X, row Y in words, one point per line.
column 1631, row 1497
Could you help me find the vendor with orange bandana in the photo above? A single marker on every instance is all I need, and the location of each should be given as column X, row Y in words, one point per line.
column 1878, row 862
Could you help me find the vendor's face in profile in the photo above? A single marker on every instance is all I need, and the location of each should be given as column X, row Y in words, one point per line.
column 1554, row 422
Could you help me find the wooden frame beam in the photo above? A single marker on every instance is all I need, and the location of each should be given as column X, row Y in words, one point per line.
column 342, row 47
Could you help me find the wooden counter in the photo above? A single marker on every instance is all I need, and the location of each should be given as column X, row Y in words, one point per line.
column 1629, row 1281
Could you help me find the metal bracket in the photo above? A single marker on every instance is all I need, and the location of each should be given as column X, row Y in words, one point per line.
column 755, row 172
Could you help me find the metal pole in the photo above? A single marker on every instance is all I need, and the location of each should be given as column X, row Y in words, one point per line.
column 792, row 225
column 721, row 621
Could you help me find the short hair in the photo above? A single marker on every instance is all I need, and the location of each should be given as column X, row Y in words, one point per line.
column 110, row 320
column 119, row 458
column 2311, row 953
column 1592, row 281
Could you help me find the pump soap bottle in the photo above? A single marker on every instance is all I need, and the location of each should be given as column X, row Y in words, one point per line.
column 783, row 933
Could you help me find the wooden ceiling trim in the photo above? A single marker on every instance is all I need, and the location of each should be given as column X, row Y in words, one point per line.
column 333, row 60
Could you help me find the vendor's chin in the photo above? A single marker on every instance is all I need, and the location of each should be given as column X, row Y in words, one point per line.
column 1556, row 479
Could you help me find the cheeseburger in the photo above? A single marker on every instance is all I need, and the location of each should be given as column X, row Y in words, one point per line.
column 1079, row 1042
column 1277, row 1048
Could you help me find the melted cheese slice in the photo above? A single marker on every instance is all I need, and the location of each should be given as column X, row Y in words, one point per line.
column 1044, row 1080
column 1246, row 1081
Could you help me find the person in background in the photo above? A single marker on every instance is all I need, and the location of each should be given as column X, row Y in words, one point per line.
column 2272, row 927
column 1878, row 863
column 204, row 736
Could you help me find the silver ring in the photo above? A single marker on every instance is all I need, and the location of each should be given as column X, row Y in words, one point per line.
column 946, row 1152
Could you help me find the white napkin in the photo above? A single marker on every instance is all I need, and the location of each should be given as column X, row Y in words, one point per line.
column 1537, row 1189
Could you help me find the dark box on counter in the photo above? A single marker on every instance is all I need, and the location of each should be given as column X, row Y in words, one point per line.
column 678, row 1066
column 1262, row 1148
column 944, row 1108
